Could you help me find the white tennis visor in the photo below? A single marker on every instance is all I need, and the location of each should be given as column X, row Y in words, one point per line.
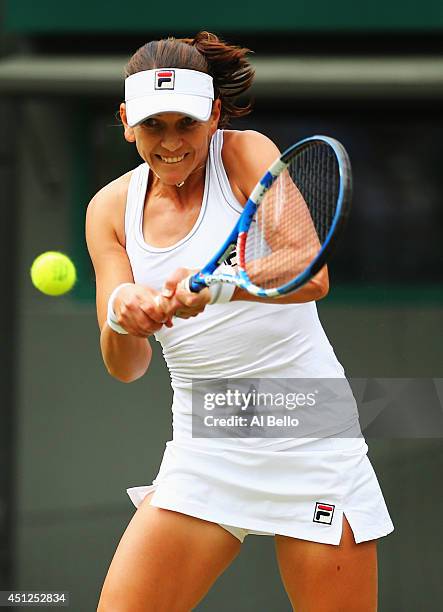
column 168, row 90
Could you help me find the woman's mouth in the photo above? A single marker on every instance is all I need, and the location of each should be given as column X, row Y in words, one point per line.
column 171, row 160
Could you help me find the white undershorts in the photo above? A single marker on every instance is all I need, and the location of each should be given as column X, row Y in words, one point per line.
column 240, row 533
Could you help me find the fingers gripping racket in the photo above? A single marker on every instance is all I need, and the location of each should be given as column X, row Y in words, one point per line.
column 290, row 222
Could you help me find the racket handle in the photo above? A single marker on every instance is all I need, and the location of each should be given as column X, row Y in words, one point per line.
column 194, row 284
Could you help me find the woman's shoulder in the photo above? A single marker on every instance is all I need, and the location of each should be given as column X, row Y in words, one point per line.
column 246, row 156
column 107, row 207
column 241, row 138
column 109, row 204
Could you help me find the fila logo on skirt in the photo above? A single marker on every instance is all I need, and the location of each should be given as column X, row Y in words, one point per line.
column 323, row 513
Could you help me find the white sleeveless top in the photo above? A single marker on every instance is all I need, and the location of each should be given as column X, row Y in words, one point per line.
column 240, row 339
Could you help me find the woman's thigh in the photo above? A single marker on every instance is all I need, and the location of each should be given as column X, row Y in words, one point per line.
column 165, row 562
column 327, row 578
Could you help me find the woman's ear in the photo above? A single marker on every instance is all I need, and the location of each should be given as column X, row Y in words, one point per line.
column 215, row 115
column 128, row 131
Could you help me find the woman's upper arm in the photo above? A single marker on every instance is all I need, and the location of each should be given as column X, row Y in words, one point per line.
column 246, row 157
column 109, row 257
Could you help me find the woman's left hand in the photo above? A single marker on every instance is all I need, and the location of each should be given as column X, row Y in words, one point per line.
column 178, row 301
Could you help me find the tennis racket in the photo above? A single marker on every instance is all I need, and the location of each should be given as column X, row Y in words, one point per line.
column 290, row 223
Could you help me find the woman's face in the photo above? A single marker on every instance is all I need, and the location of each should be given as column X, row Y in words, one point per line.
column 173, row 145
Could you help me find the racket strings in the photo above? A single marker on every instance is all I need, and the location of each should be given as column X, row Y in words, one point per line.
column 294, row 219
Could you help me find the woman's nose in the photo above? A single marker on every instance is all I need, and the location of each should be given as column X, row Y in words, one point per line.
column 171, row 142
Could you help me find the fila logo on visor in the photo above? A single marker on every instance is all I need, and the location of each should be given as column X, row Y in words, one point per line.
column 164, row 79
column 323, row 513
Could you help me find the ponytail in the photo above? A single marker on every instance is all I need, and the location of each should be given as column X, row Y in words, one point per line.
column 232, row 73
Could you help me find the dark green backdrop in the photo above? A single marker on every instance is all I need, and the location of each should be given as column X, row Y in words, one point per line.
column 27, row 16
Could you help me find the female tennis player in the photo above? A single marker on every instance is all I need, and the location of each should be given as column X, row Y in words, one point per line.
column 146, row 232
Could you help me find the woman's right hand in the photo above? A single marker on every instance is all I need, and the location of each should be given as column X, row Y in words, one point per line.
column 139, row 311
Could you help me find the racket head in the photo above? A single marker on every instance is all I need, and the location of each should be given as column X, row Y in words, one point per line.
column 319, row 169
column 294, row 217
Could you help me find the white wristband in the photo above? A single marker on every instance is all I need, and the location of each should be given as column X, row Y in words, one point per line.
column 221, row 293
column 112, row 318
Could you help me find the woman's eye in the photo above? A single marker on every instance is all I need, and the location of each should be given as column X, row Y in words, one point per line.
column 188, row 122
column 149, row 123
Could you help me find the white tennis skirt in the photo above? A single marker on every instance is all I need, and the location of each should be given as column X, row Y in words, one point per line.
column 302, row 493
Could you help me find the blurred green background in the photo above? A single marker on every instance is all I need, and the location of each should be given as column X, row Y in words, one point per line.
column 73, row 439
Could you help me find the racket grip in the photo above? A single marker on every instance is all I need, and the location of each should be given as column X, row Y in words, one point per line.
column 194, row 284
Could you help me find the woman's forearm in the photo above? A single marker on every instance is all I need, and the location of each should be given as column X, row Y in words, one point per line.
column 315, row 289
column 126, row 357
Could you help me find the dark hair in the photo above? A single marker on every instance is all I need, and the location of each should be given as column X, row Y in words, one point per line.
column 227, row 64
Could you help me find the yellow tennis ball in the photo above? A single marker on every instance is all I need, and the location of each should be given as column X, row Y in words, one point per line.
column 53, row 273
